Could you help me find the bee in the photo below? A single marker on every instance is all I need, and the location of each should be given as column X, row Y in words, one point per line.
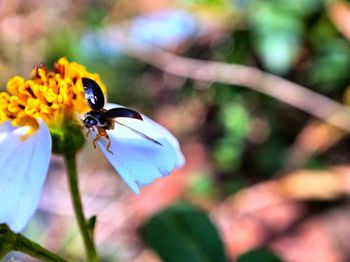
column 102, row 119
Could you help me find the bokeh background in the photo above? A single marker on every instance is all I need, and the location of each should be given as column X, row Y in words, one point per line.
column 273, row 180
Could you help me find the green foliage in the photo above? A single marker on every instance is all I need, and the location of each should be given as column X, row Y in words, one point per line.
column 61, row 44
column 259, row 255
column 202, row 185
column 331, row 56
column 236, row 121
column 299, row 7
column 332, row 63
column 277, row 30
column 94, row 17
column 184, row 233
column 238, row 49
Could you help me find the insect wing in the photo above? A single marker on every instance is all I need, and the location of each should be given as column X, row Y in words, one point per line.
column 93, row 94
column 140, row 134
column 138, row 160
column 122, row 112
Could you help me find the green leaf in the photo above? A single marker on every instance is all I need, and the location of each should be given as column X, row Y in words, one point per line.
column 331, row 64
column 277, row 32
column 183, row 233
column 259, row 255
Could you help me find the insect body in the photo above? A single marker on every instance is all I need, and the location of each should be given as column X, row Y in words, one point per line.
column 103, row 119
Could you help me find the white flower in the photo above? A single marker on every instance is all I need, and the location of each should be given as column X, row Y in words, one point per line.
column 24, row 163
column 23, row 168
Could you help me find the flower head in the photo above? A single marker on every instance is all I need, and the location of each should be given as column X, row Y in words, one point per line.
column 54, row 97
column 34, row 112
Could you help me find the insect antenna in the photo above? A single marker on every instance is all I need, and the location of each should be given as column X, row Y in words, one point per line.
column 139, row 133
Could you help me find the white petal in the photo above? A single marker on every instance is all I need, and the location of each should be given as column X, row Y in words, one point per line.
column 138, row 160
column 6, row 127
column 23, row 169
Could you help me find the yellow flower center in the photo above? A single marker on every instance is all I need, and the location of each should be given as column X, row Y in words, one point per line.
column 56, row 97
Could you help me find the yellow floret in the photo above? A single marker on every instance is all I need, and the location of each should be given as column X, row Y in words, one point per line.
column 56, row 97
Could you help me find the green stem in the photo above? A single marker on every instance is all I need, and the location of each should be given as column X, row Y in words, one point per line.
column 31, row 248
column 11, row 241
column 78, row 207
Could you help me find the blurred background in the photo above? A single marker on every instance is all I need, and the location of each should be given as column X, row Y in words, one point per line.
column 263, row 181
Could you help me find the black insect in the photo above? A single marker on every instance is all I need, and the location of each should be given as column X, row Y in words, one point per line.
column 103, row 119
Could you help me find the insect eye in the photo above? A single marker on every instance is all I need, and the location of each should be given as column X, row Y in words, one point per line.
column 90, row 121
column 93, row 94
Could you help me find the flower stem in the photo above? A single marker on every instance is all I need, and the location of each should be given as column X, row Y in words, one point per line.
column 9, row 241
column 31, row 248
column 78, row 207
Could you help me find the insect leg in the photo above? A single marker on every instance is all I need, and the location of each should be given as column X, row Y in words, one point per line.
column 102, row 133
column 88, row 132
column 97, row 137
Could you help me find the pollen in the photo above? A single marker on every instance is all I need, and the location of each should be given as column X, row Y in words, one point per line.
column 55, row 96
